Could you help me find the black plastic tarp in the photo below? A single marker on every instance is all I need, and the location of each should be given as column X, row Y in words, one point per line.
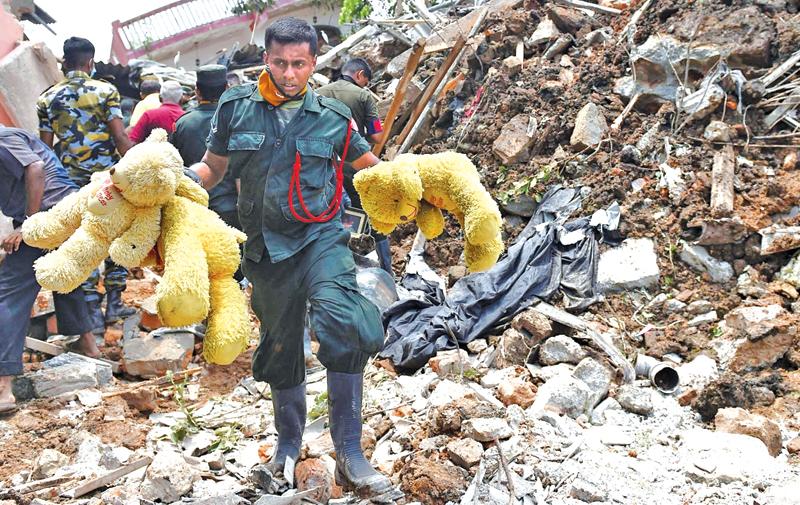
column 550, row 254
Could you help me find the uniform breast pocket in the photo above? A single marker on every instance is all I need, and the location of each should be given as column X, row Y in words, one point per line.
column 315, row 159
column 243, row 148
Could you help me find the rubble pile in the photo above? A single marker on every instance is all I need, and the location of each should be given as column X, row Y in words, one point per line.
column 680, row 384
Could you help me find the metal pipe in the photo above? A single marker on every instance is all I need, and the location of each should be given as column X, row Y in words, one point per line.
column 662, row 375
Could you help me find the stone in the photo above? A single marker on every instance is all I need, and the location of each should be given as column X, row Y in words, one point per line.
column 590, row 127
column 717, row 131
column 516, row 392
column 596, row 376
column 635, row 399
column 757, row 355
column 630, row 154
column 120, row 495
column 702, row 102
column 314, row 474
column 168, row 477
column 698, row 307
column 710, row 317
column 511, row 65
column 455, row 273
column 738, row 420
column 521, row 205
column 793, row 447
column 699, row 372
column 560, row 349
column 563, row 394
column 513, row 349
column 546, row 31
column 486, row 429
column 222, row 499
column 494, row 377
column 320, row 446
column 155, row 354
column 103, row 370
column 465, row 452
column 673, row 306
column 599, row 412
column 450, row 363
column 447, row 391
column 631, row 265
column 568, row 20
column 585, row 491
column 477, row 346
column 534, row 323
column 698, row 258
column 449, row 418
column 430, row 481
column 754, row 322
column 142, row 399
column 515, row 139
column 783, row 494
column 48, row 463
column 56, row 381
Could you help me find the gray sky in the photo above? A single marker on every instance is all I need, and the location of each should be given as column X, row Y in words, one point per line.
column 90, row 19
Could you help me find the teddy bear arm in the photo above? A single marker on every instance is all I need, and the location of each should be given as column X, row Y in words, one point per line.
column 50, row 229
column 187, row 188
column 430, row 220
column 131, row 248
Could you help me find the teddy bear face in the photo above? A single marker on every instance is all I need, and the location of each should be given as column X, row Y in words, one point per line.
column 390, row 192
column 148, row 174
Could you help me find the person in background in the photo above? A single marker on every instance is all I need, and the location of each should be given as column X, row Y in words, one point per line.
column 85, row 115
column 149, row 90
column 163, row 116
column 350, row 90
column 31, row 180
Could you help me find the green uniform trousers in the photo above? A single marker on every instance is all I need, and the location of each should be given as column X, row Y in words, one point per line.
column 347, row 325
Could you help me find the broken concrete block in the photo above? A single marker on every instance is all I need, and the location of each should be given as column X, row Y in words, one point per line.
column 596, row 376
column 560, row 349
column 516, row 392
column 103, row 370
column 51, row 382
column 590, row 127
column 707, row 318
column 738, row 420
column 486, row 429
column 631, row 265
column 465, row 452
column 702, row 102
column 447, row 391
column 453, row 362
column 155, row 354
column 587, row 492
column 563, row 394
column 513, row 349
column 168, row 477
column 599, row 412
column 698, row 307
column 635, row 399
column 515, row 139
column 314, row 474
column 536, row 324
column 753, row 355
column 717, row 131
column 48, row 463
column 754, row 322
column 698, row 258
column 546, row 31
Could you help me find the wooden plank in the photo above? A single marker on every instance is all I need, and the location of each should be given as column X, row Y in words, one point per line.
column 399, row 95
column 154, row 382
column 106, row 479
column 37, row 485
column 42, row 346
column 432, row 86
column 349, row 42
column 590, row 6
column 722, row 175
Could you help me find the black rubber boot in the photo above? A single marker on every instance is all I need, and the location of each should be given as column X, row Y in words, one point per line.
column 93, row 301
column 115, row 310
column 353, row 471
column 290, row 421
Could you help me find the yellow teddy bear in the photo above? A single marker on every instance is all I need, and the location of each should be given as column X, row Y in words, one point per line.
column 418, row 186
column 145, row 201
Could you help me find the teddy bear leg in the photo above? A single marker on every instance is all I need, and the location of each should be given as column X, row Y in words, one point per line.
column 482, row 223
column 430, row 220
column 68, row 266
column 228, row 330
column 480, row 257
column 182, row 294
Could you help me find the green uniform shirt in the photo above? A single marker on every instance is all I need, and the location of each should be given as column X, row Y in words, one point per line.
column 191, row 131
column 246, row 129
column 360, row 102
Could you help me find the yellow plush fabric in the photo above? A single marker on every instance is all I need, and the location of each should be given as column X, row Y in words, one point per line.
column 420, row 187
column 118, row 214
column 142, row 202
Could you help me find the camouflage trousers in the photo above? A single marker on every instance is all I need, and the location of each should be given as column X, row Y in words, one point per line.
column 114, row 278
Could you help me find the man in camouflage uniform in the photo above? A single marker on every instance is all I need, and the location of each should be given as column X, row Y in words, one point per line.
column 85, row 115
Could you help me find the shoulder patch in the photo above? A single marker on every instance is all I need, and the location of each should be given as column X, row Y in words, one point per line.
column 336, row 106
column 237, row 92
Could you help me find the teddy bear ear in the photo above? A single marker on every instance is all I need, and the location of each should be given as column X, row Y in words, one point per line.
column 157, row 135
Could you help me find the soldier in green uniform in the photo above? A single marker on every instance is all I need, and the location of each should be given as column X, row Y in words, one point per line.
column 284, row 142
column 84, row 113
column 349, row 90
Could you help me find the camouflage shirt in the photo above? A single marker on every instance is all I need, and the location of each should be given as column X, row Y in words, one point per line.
column 78, row 111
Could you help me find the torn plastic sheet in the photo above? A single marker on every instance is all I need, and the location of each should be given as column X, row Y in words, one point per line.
column 537, row 266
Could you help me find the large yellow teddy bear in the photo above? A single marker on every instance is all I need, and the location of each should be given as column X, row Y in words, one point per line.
column 418, row 187
column 142, row 206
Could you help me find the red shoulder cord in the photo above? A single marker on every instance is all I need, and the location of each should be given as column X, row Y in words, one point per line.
column 294, row 185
